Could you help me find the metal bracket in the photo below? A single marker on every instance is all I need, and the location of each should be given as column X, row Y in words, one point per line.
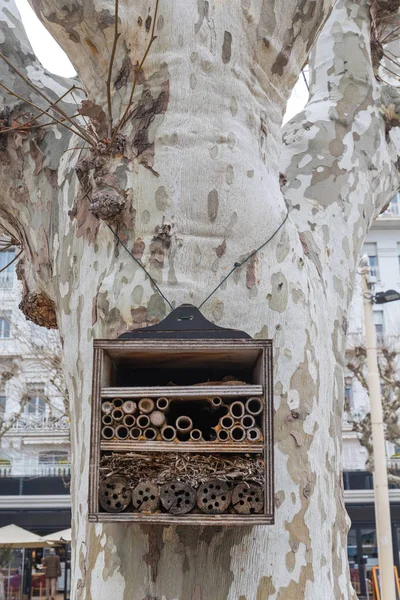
column 185, row 322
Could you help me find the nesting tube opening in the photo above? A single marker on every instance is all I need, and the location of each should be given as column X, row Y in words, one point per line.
column 117, row 402
column 121, row 432
column 196, row 435
column 117, row 414
column 150, row 433
column 135, row 433
column 107, row 433
column 227, row 422
column 254, row 406
column 216, row 402
column 146, row 405
column 168, row 433
column 253, row 434
column 247, row 421
column 107, row 419
column 237, row 409
column 238, row 433
column 143, row 421
column 129, row 420
column 184, row 424
column 162, row 404
column 223, row 435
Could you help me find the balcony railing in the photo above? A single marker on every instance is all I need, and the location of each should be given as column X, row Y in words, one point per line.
column 48, row 470
column 393, row 464
column 32, row 423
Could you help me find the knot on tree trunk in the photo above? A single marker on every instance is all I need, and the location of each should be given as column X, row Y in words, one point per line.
column 107, row 204
column 39, row 309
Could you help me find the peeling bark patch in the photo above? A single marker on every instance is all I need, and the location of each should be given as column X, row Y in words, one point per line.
column 279, row 498
column 278, row 298
column 265, row 588
column 227, row 47
column 39, row 309
column 138, row 248
column 213, row 205
column 220, row 250
column 161, row 197
column 251, row 272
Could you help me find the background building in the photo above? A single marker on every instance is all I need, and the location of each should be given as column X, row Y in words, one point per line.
column 34, row 426
column 382, row 246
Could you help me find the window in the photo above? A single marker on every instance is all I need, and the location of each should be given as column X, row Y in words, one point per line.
column 348, row 396
column 5, row 324
column 36, row 404
column 394, row 206
column 371, row 250
column 54, row 457
column 7, row 276
column 379, row 325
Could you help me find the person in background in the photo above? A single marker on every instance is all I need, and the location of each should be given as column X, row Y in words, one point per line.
column 52, row 566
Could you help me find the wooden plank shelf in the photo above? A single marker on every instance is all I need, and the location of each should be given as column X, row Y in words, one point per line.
column 190, row 519
column 205, row 447
column 192, row 392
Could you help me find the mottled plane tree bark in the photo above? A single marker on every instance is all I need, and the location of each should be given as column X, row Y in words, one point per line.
column 191, row 181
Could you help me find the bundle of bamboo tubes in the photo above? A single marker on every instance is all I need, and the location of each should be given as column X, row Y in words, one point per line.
column 240, row 423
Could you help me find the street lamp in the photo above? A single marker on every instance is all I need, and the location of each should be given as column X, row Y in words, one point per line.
column 381, row 490
column 385, row 297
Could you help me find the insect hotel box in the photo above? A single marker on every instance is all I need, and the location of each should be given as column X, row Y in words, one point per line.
column 182, row 427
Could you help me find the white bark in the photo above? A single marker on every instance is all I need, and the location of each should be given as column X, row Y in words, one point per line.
column 215, row 122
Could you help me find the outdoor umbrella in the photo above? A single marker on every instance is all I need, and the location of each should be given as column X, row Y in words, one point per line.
column 12, row 536
column 58, row 536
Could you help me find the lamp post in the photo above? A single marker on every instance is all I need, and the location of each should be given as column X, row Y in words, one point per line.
column 381, row 490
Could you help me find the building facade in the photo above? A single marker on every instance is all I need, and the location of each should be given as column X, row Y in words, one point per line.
column 34, row 424
column 382, row 246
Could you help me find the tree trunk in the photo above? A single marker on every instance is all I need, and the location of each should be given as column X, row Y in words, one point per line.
column 193, row 188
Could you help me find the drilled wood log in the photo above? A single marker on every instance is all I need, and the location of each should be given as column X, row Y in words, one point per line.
column 247, row 498
column 213, row 496
column 178, row 497
column 146, row 497
column 114, row 494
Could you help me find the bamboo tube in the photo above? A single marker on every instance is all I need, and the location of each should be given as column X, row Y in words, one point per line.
column 184, row 424
column 129, row 407
column 168, row 433
column 162, row 404
column 146, row 405
column 196, row 435
column 143, row 421
column 157, row 418
column 253, row 434
column 135, row 433
column 129, row 420
column 223, row 435
column 121, row 432
column 227, row 422
column 248, row 421
column 238, row 433
column 216, row 402
column 107, row 419
column 107, row 433
column 236, row 409
column 254, row 406
column 117, row 414
column 117, row 402
column 107, row 407
column 150, row 433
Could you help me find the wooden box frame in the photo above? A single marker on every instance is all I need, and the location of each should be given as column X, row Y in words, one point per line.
column 107, row 351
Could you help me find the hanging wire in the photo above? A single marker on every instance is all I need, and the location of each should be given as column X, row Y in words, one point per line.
column 138, row 262
column 237, row 265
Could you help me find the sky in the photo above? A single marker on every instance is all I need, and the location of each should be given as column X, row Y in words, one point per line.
column 55, row 60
